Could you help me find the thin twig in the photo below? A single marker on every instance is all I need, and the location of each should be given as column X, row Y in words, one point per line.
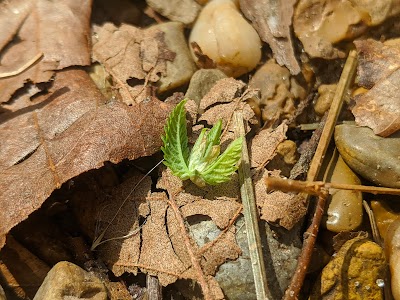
column 314, row 187
column 21, row 69
column 193, row 258
column 154, row 289
column 251, row 214
column 310, row 236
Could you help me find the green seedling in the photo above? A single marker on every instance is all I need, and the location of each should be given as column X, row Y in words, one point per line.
column 204, row 164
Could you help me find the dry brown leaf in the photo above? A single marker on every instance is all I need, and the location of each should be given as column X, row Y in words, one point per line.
column 158, row 249
column 224, row 90
column 128, row 52
column 284, row 209
column 272, row 20
column 69, row 133
column 264, row 144
column 378, row 108
column 29, row 28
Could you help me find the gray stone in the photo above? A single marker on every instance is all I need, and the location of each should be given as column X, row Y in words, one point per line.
column 281, row 251
column 68, row 281
column 201, row 83
column 184, row 11
column 181, row 69
column 373, row 157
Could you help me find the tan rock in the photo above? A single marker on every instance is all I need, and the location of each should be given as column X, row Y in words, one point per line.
column 324, row 101
column 320, row 24
column 225, row 36
column 184, row 11
column 181, row 69
column 68, row 281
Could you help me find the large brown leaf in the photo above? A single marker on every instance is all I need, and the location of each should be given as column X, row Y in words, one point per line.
column 59, row 30
column 379, row 68
column 67, row 133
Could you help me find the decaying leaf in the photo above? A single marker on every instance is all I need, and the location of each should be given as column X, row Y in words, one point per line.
column 31, row 28
column 277, row 207
column 264, row 144
column 128, row 52
column 272, row 19
column 158, row 248
column 378, row 108
column 68, row 133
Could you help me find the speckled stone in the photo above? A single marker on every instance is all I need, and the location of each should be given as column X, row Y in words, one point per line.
column 373, row 157
column 355, row 272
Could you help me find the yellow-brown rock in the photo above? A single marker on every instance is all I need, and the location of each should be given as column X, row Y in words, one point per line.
column 355, row 272
column 344, row 212
column 392, row 247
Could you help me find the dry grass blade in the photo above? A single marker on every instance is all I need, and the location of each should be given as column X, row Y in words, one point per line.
column 250, row 214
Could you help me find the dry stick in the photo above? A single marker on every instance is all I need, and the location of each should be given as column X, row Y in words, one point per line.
column 314, row 187
column 193, row 258
column 153, row 287
column 21, row 69
column 250, row 214
column 346, row 78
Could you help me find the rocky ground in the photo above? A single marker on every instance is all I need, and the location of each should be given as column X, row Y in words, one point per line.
column 89, row 210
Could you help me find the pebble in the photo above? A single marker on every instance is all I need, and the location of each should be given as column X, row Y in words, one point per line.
column 279, row 92
column 385, row 212
column 325, row 97
column 68, row 281
column 345, row 211
column 355, row 272
column 184, row 11
column 374, row 158
column 226, row 37
column 201, row 83
column 181, row 69
column 392, row 247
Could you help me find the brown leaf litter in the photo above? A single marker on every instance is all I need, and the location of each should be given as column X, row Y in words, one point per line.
column 127, row 53
column 378, row 70
column 69, row 132
column 273, row 20
column 156, row 247
column 31, row 28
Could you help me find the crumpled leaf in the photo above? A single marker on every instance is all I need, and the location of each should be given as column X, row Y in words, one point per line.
column 277, row 207
column 378, row 108
column 264, row 144
column 224, row 91
column 68, row 133
column 272, row 19
column 221, row 102
column 128, row 52
column 158, row 248
column 29, row 28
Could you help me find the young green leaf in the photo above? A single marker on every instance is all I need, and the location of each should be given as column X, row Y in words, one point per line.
column 226, row 164
column 204, row 165
column 175, row 149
